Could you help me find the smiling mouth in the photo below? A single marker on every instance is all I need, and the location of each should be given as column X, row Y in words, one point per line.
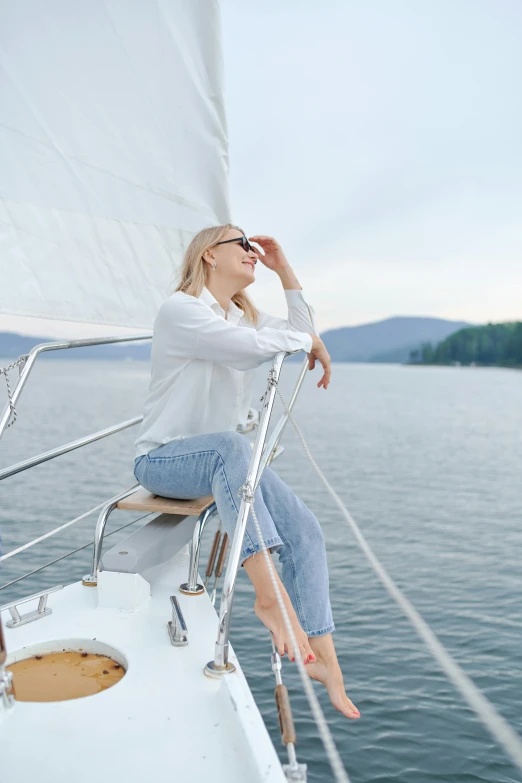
column 249, row 263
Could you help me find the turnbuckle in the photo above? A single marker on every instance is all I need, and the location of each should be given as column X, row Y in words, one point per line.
column 295, row 772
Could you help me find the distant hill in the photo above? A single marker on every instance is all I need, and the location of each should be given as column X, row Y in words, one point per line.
column 391, row 340
column 494, row 345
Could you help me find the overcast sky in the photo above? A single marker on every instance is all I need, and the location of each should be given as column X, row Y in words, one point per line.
column 380, row 141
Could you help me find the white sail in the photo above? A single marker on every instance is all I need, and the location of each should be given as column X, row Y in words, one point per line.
column 113, row 150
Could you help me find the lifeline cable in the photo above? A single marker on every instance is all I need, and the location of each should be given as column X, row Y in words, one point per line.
column 72, row 552
column 61, row 527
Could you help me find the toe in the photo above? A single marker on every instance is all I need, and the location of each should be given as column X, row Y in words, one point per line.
column 350, row 710
column 307, row 647
column 279, row 644
column 352, row 707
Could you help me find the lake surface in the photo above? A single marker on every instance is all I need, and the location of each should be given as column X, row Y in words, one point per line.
column 428, row 460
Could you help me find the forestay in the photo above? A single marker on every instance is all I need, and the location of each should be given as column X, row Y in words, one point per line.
column 113, row 153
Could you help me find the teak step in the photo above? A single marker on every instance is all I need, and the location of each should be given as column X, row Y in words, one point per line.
column 141, row 500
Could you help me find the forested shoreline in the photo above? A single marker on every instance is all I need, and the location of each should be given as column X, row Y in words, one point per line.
column 491, row 345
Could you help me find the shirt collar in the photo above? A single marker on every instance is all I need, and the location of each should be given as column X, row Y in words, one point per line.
column 233, row 312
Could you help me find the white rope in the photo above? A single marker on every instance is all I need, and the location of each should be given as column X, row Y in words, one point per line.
column 484, row 709
column 340, row 774
column 58, row 529
column 4, row 371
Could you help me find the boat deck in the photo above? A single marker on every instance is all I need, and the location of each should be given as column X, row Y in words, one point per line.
column 164, row 718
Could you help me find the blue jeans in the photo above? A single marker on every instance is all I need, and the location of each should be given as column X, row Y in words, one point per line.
column 217, row 464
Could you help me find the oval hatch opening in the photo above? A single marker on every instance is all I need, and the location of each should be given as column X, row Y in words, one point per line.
column 65, row 673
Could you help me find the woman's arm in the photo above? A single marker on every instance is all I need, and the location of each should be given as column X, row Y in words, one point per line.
column 187, row 328
column 301, row 316
column 300, row 313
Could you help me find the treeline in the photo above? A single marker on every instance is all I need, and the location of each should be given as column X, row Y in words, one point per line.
column 493, row 344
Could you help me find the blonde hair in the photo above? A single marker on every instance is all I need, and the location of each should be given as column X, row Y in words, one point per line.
column 192, row 273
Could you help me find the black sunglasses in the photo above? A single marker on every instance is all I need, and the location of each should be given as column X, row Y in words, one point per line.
column 245, row 244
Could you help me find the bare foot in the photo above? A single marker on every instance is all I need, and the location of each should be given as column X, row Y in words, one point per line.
column 268, row 611
column 326, row 669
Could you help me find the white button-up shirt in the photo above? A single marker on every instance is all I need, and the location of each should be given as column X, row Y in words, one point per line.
column 203, row 364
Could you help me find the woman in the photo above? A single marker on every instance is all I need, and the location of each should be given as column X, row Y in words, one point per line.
column 208, row 339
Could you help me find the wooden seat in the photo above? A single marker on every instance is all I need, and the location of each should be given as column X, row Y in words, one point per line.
column 141, row 500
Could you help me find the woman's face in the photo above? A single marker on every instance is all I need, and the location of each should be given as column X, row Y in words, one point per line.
column 233, row 261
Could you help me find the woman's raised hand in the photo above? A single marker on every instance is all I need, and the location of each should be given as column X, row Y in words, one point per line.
column 273, row 257
column 320, row 354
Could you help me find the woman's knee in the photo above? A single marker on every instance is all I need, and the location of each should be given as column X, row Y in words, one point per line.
column 139, row 465
column 233, row 444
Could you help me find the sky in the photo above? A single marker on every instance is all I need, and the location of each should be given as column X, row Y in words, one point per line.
column 380, row 142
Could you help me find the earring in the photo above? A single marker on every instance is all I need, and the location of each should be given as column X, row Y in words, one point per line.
column 214, row 266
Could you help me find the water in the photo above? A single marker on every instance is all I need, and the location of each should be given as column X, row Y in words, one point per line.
column 429, row 462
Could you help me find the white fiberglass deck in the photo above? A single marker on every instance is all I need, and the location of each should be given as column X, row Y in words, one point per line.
column 164, row 720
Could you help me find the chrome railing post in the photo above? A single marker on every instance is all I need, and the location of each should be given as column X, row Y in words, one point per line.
column 221, row 665
column 192, row 587
column 278, row 430
column 34, row 353
column 12, row 470
column 6, row 678
column 91, row 580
